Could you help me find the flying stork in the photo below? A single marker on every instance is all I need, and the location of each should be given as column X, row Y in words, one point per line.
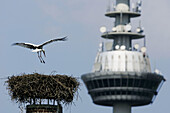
column 39, row 48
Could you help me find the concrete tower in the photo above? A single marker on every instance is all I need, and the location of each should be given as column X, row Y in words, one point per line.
column 121, row 75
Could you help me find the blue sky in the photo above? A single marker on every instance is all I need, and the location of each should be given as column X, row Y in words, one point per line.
column 36, row 21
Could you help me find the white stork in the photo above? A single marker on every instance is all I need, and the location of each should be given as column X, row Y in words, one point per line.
column 39, row 48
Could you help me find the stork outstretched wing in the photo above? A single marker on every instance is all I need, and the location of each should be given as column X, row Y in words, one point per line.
column 53, row 40
column 26, row 45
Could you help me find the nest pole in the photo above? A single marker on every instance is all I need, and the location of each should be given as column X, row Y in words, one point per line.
column 53, row 101
column 30, row 101
column 48, row 101
column 41, row 109
column 59, row 107
column 34, row 101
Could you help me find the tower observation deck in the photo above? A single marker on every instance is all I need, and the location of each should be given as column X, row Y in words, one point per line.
column 121, row 75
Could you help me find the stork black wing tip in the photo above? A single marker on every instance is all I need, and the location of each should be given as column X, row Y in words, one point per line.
column 65, row 38
column 14, row 44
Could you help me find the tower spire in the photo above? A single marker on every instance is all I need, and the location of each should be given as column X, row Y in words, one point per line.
column 123, row 34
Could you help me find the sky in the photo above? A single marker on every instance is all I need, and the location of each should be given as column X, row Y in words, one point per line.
column 36, row 21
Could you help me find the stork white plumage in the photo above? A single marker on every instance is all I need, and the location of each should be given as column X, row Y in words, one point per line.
column 39, row 48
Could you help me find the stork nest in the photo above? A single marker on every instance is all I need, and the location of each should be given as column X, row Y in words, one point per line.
column 34, row 86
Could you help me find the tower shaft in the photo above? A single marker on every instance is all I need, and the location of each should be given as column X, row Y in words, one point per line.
column 120, row 21
column 127, row 2
column 122, row 5
column 123, row 41
column 122, row 108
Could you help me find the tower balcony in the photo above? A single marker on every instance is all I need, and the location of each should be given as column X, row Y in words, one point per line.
column 113, row 14
column 110, row 88
column 113, row 35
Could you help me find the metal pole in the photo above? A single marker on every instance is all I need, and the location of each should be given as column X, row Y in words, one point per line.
column 122, row 108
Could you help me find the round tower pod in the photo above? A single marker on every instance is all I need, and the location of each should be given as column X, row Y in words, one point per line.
column 139, row 9
column 139, row 30
column 101, row 44
column 128, row 28
column 143, row 49
column 136, row 46
column 117, row 47
column 139, row 3
column 120, row 28
column 122, row 7
column 102, row 29
column 123, row 47
column 114, row 29
column 157, row 71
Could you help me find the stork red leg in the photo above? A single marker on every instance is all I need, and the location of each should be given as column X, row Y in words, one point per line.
column 44, row 53
column 39, row 56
